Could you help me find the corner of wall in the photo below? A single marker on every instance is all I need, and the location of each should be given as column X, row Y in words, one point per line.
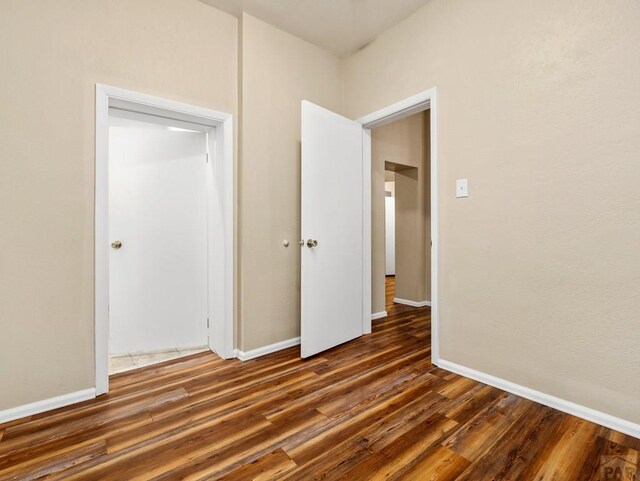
column 238, row 334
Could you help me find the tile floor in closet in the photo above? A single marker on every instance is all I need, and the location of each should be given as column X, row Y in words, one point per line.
column 126, row 362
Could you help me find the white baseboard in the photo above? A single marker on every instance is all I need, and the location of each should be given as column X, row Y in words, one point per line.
column 46, row 405
column 603, row 419
column 412, row 303
column 378, row 315
column 263, row 351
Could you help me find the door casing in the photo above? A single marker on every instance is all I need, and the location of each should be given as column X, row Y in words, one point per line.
column 221, row 222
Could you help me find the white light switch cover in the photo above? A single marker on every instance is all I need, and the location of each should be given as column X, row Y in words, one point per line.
column 462, row 188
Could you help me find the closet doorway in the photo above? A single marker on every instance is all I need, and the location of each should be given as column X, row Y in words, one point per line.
column 164, row 229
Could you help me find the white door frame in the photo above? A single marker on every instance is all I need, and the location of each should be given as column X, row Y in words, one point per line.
column 220, row 215
column 404, row 108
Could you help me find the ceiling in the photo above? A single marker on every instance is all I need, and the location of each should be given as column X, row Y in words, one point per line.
column 341, row 26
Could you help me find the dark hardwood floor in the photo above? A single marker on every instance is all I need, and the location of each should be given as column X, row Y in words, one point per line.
column 371, row 409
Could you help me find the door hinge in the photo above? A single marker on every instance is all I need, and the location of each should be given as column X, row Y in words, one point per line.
column 207, row 322
column 207, row 157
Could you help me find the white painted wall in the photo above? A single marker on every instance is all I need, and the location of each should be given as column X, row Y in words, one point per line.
column 157, row 208
column 390, row 229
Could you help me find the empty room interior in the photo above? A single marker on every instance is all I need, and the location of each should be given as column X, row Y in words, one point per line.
column 302, row 240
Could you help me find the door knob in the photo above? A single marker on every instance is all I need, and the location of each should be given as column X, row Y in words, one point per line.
column 312, row 243
column 116, row 244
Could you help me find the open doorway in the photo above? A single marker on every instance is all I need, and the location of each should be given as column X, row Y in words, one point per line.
column 158, row 281
column 328, row 135
column 401, row 213
column 426, row 102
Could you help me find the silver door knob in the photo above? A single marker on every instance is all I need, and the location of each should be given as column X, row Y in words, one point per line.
column 116, row 244
column 312, row 243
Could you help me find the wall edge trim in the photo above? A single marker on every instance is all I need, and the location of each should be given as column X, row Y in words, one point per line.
column 264, row 350
column 45, row 405
column 412, row 303
column 583, row 412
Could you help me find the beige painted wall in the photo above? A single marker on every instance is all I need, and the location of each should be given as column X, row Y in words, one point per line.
column 539, row 107
column 404, row 143
column 413, row 219
column 52, row 54
column 409, row 235
column 390, row 182
column 399, row 142
column 278, row 72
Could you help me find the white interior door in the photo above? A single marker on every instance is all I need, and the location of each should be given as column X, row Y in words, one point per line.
column 332, row 215
column 157, row 210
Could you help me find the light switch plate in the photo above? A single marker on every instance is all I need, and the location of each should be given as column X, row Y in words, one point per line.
column 462, row 188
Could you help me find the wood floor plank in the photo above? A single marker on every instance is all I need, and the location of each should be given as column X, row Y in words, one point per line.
column 624, row 440
column 441, row 464
column 457, row 387
column 359, row 393
column 42, row 466
column 147, row 376
column 517, row 447
column 271, row 466
column 475, row 438
column 379, row 435
column 168, row 452
column 371, row 409
column 15, row 440
column 175, row 428
column 471, row 403
column 348, row 426
column 565, row 458
column 103, row 406
column 402, row 453
column 230, row 399
column 59, row 446
column 611, row 460
column 330, row 390
column 593, row 463
column 208, row 463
